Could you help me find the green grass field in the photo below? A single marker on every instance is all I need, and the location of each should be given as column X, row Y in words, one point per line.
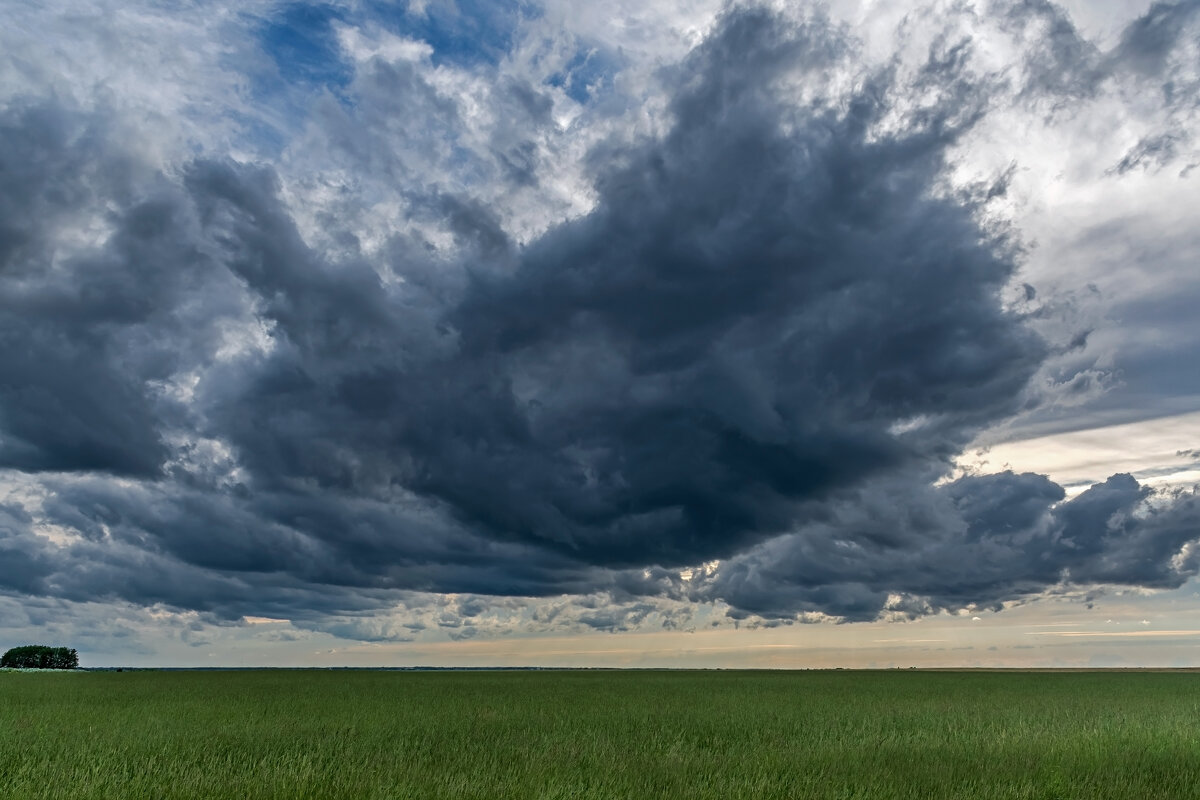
column 685, row 735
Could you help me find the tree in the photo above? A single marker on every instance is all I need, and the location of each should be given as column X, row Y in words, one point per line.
column 39, row 656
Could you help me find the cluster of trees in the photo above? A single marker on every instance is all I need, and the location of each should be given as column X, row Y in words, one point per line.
column 39, row 656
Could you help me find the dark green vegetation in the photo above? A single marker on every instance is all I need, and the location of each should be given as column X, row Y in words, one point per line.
column 39, row 656
column 315, row 734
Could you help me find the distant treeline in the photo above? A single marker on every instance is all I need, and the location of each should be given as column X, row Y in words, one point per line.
column 39, row 656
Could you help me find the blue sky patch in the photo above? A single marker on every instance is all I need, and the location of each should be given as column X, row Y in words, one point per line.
column 302, row 43
column 461, row 32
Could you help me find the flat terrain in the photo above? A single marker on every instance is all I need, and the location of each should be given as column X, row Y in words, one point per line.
column 685, row 735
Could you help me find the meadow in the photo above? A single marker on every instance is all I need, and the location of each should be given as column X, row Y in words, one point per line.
column 830, row 734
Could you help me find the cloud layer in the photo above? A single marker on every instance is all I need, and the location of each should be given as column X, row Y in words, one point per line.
column 506, row 337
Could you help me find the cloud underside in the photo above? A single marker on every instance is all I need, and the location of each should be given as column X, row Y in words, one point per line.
column 762, row 346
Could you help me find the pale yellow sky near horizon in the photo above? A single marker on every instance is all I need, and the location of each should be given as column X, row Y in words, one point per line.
column 1107, row 630
column 1162, row 452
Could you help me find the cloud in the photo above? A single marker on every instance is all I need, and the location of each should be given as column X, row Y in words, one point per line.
column 723, row 338
column 767, row 332
column 23, row 565
column 1150, row 42
column 980, row 541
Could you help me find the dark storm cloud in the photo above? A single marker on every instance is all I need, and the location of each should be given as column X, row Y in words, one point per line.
column 734, row 330
column 22, row 561
column 757, row 299
column 66, row 405
column 774, row 330
column 87, row 331
column 261, row 553
column 979, row 540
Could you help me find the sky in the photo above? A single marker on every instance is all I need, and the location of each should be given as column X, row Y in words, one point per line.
column 680, row 334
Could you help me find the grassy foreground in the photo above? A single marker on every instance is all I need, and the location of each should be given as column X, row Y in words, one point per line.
column 314, row 734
